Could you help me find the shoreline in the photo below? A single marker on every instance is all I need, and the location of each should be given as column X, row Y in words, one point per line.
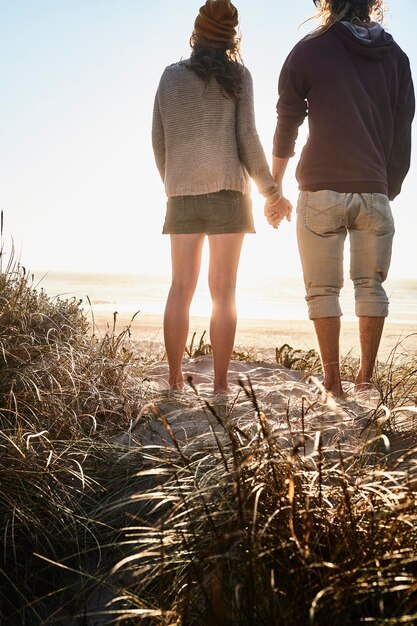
column 260, row 335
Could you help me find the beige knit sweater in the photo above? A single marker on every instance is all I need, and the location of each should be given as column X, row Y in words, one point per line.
column 203, row 141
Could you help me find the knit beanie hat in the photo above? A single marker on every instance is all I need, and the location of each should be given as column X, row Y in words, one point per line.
column 216, row 23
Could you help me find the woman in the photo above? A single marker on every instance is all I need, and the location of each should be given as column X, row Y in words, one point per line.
column 206, row 147
column 353, row 83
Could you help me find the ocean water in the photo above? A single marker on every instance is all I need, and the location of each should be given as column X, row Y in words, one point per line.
column 273, row 299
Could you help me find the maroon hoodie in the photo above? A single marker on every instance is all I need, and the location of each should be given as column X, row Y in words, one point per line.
column 358, row 95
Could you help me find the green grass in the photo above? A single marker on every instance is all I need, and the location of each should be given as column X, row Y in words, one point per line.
column 291, row 513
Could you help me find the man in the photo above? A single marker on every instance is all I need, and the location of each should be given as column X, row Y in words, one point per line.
column 354, row 84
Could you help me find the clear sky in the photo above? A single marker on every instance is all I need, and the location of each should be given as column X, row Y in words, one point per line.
column 78, row 184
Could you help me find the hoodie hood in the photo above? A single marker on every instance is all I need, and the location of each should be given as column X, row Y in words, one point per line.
column 368, row 33
column 367, row 40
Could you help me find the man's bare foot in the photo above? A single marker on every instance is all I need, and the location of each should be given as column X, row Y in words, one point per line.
column 363, row 382
column 334, row 387
column 363, row 385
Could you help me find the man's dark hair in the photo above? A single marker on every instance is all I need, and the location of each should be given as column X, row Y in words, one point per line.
column 332, row 11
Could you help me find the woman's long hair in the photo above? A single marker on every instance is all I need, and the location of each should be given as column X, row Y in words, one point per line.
column 223, row 64
column 332, row 11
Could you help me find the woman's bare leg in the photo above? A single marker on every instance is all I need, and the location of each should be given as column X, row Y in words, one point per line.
column 186, row 260
column 224, row 260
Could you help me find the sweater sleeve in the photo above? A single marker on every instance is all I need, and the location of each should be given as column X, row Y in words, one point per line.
column 291, row 107
column 251, row 152
column 399, row 158
column 158, row 137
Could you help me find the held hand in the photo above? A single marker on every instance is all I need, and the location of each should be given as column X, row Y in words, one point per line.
column 277, row 212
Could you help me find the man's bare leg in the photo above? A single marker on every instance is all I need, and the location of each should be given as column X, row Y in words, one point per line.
column 370, row 333
column 328, row 334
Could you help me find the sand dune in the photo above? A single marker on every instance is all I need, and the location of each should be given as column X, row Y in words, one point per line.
column 297, row 410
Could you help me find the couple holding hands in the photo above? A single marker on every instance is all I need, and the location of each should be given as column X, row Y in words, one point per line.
column 354, row 85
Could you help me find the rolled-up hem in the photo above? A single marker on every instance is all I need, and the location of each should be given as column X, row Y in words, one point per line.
column 324, row 306
column 371, row 309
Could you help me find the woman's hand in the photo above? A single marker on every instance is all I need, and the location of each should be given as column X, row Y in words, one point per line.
column 277, row 212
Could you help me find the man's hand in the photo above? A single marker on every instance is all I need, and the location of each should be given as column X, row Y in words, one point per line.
column 277, row 212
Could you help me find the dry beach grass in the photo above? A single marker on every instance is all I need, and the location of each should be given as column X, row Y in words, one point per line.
column 120, row 505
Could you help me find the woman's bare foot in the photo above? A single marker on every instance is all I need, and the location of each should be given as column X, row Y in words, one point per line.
column 221, row 389
column 176, row 383
column 221, row 403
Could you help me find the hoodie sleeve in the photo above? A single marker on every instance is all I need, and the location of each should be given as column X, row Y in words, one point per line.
column 158, row 137
column 292, row 105
column 399, row 158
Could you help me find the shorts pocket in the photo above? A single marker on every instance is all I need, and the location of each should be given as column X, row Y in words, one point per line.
column 382, row 221
column 224, row 210
column 322, row 211
column 176, row 218
column 222, row 201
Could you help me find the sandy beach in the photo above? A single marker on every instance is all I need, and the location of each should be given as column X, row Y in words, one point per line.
column 263, row 336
